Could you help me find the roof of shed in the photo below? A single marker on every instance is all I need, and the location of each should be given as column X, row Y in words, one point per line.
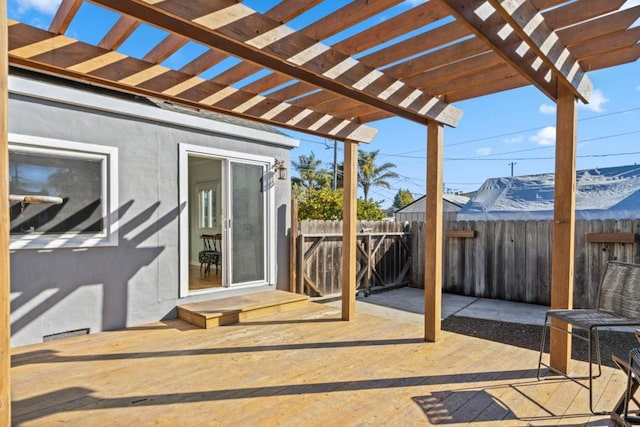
column 602, row 193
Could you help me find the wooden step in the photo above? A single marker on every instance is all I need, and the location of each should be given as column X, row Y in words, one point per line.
column 225, row 311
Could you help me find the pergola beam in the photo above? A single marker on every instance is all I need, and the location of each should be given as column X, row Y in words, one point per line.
column 518, row 32
column 543, row 40
column 232, row 27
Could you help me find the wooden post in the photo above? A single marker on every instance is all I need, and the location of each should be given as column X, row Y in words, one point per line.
column 5, row 324
column 349, row 238
column 433, row 233
column 563, row 224
column 293, row 242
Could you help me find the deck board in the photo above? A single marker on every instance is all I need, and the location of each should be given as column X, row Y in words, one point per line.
column 300, row 367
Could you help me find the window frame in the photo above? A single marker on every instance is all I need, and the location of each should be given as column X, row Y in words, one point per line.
column 214, row 187
column 76, row 150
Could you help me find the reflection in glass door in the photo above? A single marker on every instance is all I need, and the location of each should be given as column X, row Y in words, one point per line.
column 247, row 241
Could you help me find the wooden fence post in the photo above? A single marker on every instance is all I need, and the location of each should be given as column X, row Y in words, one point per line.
column 293, row 243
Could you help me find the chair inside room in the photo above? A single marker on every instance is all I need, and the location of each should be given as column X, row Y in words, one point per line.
column 210, row 255
column 617, row 305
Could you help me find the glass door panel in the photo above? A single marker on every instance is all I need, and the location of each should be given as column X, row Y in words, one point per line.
column 247, row 225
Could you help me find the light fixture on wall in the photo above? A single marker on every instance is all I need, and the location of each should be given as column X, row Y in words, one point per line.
column 280, row 168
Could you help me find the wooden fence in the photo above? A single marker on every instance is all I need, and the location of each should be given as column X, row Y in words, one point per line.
column 508, row 260
column 511, row 260
column 383, row 251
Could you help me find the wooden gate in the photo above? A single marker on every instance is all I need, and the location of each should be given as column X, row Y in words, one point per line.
column 383, row 252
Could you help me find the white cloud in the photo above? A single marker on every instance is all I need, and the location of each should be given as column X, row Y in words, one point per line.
column 630, row 4
column 514, row 140
column 547, row 109
column 596, row 102
column 483, row 151
column 43, row 6
column 545, row 136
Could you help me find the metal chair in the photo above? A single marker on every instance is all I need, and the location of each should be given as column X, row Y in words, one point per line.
column 631, row 368
column 618, row 304
column 210, row 254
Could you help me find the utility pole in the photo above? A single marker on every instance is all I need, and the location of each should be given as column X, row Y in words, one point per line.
column 512, row 164
column 335, row 165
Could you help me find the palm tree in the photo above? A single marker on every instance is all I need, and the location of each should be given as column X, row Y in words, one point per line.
column 310, row 174
column 370, row 175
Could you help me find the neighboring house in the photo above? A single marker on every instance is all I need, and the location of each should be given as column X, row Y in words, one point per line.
column 141, row 181
column 416, row 210
column 603, row 193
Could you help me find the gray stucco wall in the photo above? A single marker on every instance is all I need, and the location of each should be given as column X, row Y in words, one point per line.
column 136, row 282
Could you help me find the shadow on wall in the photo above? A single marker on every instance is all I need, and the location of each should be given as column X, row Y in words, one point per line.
column 48, row 277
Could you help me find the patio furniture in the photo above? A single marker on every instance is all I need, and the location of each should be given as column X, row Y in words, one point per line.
column 618, row 304
column 631, row 368
column 210, row 254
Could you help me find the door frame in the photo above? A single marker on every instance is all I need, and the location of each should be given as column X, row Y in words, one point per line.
column 184, row 151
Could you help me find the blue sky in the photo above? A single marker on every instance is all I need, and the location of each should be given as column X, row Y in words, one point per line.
column 516, row 126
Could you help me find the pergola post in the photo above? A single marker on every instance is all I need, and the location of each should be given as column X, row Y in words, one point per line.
column 562, row 257
column 433, row 233
column 349, row 218
column 5, row 325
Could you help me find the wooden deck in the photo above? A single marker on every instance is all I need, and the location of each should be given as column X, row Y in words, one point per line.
column 298, row 368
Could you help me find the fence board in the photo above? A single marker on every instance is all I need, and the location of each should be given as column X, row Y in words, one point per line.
column 480, row 264
column 520, row 260
column 580, row 264
column 510, row 284
column 470, row 262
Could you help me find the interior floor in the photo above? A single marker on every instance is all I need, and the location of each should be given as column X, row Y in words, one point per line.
column 198, row 280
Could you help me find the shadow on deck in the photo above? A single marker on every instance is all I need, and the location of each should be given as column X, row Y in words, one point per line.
column 300, row 367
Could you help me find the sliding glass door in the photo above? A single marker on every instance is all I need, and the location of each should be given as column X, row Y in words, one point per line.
column 246, row 228
column 227, row 199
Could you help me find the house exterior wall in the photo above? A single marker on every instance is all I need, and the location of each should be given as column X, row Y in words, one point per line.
column 137, row 281
column 416, row 211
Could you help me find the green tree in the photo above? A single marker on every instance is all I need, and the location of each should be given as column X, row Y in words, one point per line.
column 402, row 199
column 310, row 175
column 369, row 210
column 322, row 203
column 326, row 204
column 372, row 175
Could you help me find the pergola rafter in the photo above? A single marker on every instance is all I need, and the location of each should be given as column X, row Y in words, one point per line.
column 48, row 52
column 232, row 27
column 411, row 63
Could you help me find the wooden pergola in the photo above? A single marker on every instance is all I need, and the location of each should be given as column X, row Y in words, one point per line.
column 413, row 65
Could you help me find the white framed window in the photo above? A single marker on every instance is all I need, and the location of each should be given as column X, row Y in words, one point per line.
column 84, row 176
column 208, row 202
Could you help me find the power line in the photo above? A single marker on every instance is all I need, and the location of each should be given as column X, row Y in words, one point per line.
column 551, row 158
column 469, row 141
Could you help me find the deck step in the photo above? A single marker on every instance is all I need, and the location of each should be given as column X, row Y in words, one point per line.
column 225, row 311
